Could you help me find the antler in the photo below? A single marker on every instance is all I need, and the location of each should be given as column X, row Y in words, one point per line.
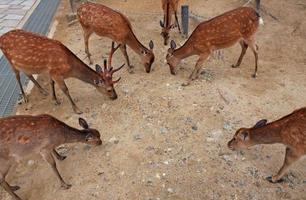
column 112, row 53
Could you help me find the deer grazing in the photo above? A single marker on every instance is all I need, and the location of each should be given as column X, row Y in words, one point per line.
column 24, row 135
column 289, row 130
column 239, row 25
column 105, row 22
column 35, row 54
column 170, row 8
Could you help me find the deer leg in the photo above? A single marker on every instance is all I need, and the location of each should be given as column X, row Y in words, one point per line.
column 254, row 48
column 58, row 156
column 43, row 91
column 54, row 98
column 126, row 56
column 64, row 88
column 87, row 34
column 290, row 158
column 47, row 155
column 177, row 22
column 3, row 172
column 17, row 74
column 244, row 48
column 195, row 73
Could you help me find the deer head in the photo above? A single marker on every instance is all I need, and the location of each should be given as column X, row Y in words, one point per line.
column 242, row 138
column 147, row 57
column 106, row 83
column 172, row 61
column 92, row 136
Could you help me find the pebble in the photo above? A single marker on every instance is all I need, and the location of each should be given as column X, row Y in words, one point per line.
column 30, row 162
column 114, row 140
column 163, row 130
column 137, row 137
column 170, row 190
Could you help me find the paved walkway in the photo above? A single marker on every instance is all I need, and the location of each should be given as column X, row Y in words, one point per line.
column 12, row 13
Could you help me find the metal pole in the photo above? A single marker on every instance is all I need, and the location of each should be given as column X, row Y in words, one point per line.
column 185, row 19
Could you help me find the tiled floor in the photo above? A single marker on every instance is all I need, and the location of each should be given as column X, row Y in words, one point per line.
column 12, row 12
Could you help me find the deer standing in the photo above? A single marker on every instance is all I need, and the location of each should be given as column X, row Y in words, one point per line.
column 239, row 25
column 34, row 54
column 289, row 130
column 24, row 135
column 170, row 8
column 105, row 22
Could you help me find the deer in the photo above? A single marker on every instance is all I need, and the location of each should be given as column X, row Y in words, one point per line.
column 170, row 8
column 223, row 31
column 31, row 53
column 289, row 131
column 106, row 22
column 25, row 135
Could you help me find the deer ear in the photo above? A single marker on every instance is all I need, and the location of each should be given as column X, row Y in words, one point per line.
column 151, row 45
column 172, row 44
column 161, row 23
column 260, row 123
column 98, row 68
column 83, row 123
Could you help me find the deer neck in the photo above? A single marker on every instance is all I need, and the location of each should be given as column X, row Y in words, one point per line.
column 73, row 135
column 134, row 43
column 269, row 134
column 184, row 51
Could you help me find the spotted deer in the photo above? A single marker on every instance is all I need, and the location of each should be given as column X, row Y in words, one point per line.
column 239, row 25
column 31, row 54
column 106, row 22
column 24, row 135
column 170, row 8
column 289, row 130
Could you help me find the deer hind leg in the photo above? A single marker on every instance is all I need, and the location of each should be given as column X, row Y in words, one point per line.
column 43, row 91
column 58, row 156
column 177, row 22
column 290, row 157
column 54, row 98
column 244, row 48
column 17, row 74
column 126, row 56
column 10, row 189
column 254, row 48
column 87, row 34
column 60, row 81
column 47, row 156
column 197, row 70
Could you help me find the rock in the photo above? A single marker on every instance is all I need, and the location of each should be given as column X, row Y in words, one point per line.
column 163, row 130
column 114, row 140
column 227, row 126
column 137, row 137
column 30, row 162
column 170, row 190
column 194, row 127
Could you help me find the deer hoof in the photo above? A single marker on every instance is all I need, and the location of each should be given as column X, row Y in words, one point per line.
column 61, row 158
column 254, row 75
column 185, row 84
column 235, row 66
column 272, row 179
column 65, row 186
column 25, row 99
column 77, row 111
column 131, row 70
column 14, row 188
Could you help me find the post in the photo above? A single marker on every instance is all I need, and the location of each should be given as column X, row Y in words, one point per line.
column 185, row 19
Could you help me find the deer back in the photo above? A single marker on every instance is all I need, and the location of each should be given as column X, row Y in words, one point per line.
column 226, row 29
column 104, row 21
column 33, row 53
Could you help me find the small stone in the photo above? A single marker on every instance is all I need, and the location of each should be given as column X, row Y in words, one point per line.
column 170, row 190
column 163, row 130
column 114, row 140
column 137, row 137
column 31, row 162
column 194, row 127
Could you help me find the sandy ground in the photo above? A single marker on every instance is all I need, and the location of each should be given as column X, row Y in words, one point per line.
column 163, row 141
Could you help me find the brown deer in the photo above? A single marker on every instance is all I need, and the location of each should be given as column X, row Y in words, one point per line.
column 31, row 54
column 24, row 135
column 239, row 25
column 105, row 22
column 289, row 130
column 170, row 8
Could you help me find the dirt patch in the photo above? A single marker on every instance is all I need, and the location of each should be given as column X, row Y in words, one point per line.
column 164, row 141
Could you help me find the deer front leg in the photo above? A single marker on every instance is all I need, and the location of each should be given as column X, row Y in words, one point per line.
column 126, row 56
column 244, row 48
column 60, row 81
column 254, row 48
column 290, row 158
column 41, row 90
column 58, row 156
column 87, row 34
column 177, row 22
column 196, row 72
column 54, row 98
column 47, row 155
